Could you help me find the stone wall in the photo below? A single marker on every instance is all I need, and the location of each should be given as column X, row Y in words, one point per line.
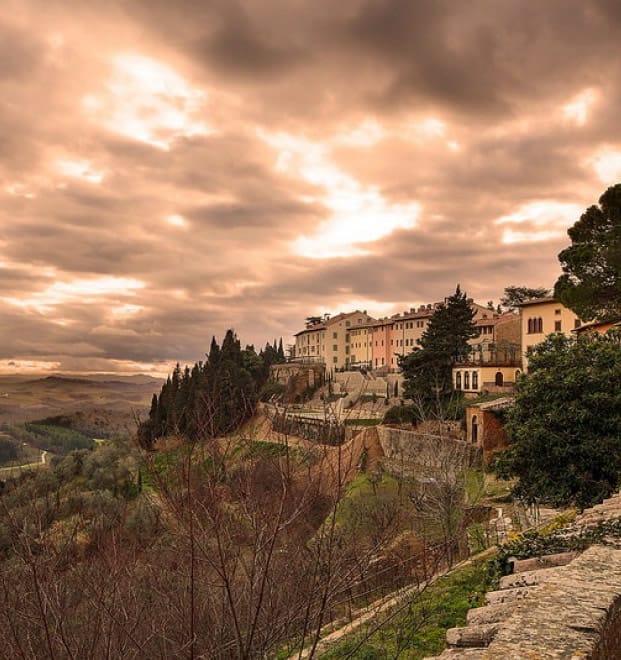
column 321, row 431
column 423, row 455
column 299, row 378
column 561, row 612
column 311, row 374
column 557, row 606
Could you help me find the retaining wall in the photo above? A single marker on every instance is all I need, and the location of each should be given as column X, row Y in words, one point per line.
column 423, row 455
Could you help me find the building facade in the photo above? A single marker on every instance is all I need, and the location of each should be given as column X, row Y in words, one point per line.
column 542, row 317
column 330, row 340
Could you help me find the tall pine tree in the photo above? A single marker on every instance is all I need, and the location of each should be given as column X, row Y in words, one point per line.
column 427, row 371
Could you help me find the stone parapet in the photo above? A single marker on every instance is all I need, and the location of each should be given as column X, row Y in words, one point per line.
column 571, row 611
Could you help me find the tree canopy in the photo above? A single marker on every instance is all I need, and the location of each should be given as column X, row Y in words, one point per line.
column 591, row 281
column 427, row 371
column 514, row 295
column 565, row 424
column 213, row 397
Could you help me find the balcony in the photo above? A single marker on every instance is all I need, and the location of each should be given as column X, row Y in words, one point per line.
column 492, row 355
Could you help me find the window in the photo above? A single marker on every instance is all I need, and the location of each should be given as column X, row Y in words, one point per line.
column 335, row 359
column 347, row 324
column 335, row 347
column 557, row 326
column 458, row 380
column 475, row 380
column 466, row 380
column 500, row 379
column 347, row 350
column 475, row 428
column 335, row 335
column 557, row 312
column 535, row 325
column 517, row 374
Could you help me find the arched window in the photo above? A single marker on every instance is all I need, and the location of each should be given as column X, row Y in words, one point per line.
column 475, row 429
column 458, row 380
column 475, row 380
column 530, row 326
column 540, row 324
column 466, row 380
column 517, row 374
column 500, row 380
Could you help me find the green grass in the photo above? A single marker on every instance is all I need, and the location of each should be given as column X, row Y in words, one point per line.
column 475, row 486
column 419, row 630
column 363, row 422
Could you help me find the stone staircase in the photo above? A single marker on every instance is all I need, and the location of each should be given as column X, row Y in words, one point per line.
column 556, row 606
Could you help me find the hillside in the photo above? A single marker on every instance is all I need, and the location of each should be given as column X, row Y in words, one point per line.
column 27, row 400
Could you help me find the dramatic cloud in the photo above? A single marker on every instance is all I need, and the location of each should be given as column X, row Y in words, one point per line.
column 171, row 169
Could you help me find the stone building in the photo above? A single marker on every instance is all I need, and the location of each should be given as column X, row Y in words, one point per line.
column 484, row 427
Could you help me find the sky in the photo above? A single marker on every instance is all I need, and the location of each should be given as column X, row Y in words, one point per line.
column 172, row 169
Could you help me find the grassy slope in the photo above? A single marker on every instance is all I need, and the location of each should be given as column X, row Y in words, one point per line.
column 418, row 630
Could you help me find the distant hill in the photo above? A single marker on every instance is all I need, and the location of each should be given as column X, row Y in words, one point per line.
column 58, row 394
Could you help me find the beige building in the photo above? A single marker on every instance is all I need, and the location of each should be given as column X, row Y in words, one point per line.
column 330, row 341
column 473, row 378
column 542, row 317
column 357, row 340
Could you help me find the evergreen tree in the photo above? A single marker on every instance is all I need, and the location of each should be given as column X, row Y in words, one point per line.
column 213, row 397
column 591, row 281
column 427, row 371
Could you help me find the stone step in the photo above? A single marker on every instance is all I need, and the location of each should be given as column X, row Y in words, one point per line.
column 527, row 578
column 489, row 614
column 471, row 636
column 507, row 595
column 547, row 561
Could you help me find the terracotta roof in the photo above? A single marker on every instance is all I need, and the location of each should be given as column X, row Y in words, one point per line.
column 595, row 324
column 536, row 301
column 312, row 328
column 498, row 318
column 341, row 316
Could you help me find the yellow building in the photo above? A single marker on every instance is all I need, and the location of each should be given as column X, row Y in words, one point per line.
column 542, row 317
column 330, row 341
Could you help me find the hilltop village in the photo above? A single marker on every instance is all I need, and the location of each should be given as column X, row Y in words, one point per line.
column 355, row 340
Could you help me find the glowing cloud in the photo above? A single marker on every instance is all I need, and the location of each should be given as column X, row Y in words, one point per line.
column 83, row 290
column 123, row 311
column 366, row 134
column 149, row 102
column 176, row 221
column 549, row 220
column 79, row 170
column 578, row 108
column 27, row 366
column 359, row 214
column 607, row 166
